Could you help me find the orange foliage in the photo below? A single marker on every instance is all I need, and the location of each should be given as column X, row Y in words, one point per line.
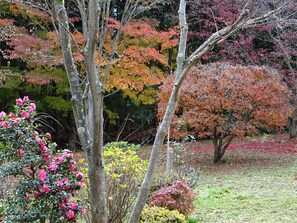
column 233, row 100
column 143, row 56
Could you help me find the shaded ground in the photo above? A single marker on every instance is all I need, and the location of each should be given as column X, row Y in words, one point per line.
column 252, row 153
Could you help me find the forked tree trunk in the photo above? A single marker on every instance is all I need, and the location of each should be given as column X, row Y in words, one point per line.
column 220, row 147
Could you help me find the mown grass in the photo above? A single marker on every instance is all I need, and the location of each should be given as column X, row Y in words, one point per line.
column 263, row 195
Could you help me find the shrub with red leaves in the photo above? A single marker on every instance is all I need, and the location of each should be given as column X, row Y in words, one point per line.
column 176, row 197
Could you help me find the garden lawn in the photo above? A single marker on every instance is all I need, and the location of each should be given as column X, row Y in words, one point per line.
column 251, row 186
column 267, row 195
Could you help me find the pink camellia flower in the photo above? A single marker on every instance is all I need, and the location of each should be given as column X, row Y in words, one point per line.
column 4, row 124
column 68, row 186
column 25, row 115
column 83, row 211
column 63, row 206
column 48, row 135
column 73, row 206
column 58, row 159
column 26, row 98
column 72, row 168
column 45, row 189
column 15, row 121
column 2, row 115
column 44, row 149
column 36, row 195
column 11, row 115
column 32, row 107
column 67, row 154
column 52, row 167
column 65, row 179
column 27, row 197
column 19, row 102
column 45, row 156
column 60, row 183
column 80, row 184
column 42, row 175
column 70, row 214
column 79, row 175
column 22, row 153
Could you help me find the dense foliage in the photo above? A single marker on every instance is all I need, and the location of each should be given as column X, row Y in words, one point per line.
column 161, row 215
column 47, row 183
column 178, row 197
column 222, row 101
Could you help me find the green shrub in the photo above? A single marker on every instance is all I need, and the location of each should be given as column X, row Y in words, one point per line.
column 123, row 145
column 161, row 215
column 124, row 174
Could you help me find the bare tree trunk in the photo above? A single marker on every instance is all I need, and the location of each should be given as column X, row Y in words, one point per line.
column 293, row 124
column 183, row 67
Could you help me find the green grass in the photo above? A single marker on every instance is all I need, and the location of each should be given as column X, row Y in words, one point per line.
column 265, row 195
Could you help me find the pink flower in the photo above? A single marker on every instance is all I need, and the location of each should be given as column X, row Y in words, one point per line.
column 40, row 142
column 24, row 114
column 4, row 124
column 83, row 211
column 70, row 214
column 58, row 159
column 79, row 175
column 72, row 168
column 19, row 102
column 67, row 155
column 65, row 179
column 52, row 167
column 32, row 107
column 48, row 135
column 45, row 156
column 68, row 186
column 11, row 115
column 2, row 115
column 62, row 206
column 80, row 184
column 21, row 152
column 27, row 197
column 42, row 175
column 26, row 98
column 36, row 195
column 46, row 189
column 73, row 206
column 44, row 149
column 60, row 183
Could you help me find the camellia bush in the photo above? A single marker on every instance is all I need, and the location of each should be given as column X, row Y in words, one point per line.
column 47, row 182
column 222, row 101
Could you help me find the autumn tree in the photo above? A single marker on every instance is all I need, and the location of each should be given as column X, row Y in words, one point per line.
column 221, row 102
column 269, row 45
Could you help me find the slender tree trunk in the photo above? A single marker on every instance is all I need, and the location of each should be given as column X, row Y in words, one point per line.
column 163, row 127
column 169, row 160
column 293, row 124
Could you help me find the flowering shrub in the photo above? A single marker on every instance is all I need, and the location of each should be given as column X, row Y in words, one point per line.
column 47, row 182
column 176, row 197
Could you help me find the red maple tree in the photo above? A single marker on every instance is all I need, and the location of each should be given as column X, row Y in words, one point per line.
column 221, row 101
